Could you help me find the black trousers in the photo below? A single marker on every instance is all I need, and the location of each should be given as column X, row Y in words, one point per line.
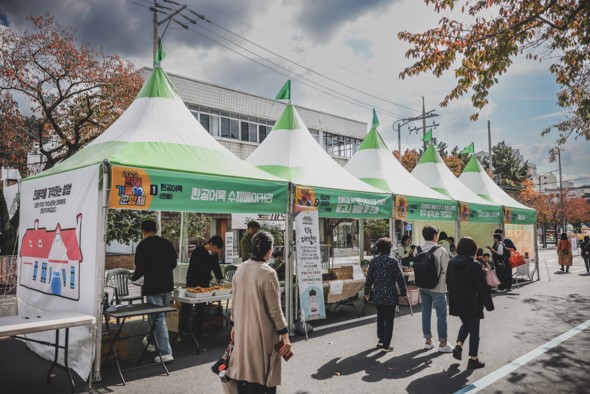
column 254, row 388
column 184, row 318
column 470, row 327
column 504, row 273
column 587, row 262
column 385, row 315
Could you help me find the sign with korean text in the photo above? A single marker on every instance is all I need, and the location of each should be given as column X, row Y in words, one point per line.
column 309, row 266
column 149, row 189
column 332, row 203
column 479, row 213
column 418, row 208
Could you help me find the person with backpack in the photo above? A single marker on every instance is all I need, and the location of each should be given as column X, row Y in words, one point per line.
column 468, row 295
column 509, row 246
column 585, row 252
column 564, row 253
column 500, row 256
column 430, row 265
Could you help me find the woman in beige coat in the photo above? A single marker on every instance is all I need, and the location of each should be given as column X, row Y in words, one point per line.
column 259, row 323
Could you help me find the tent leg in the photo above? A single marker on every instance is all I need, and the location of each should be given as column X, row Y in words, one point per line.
column 361, row 239
column 100, row 268
column 289, row 264
column 536, row 241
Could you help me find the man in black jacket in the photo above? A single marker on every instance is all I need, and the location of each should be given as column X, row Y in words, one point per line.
column 205, row 258
column 155, row 259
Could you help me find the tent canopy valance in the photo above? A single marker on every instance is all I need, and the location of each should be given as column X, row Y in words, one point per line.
column 433, row 172
column 374, row 164
column 475, row 178
column 291, row 153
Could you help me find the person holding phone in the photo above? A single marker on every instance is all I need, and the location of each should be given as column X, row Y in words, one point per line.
column 259, row 330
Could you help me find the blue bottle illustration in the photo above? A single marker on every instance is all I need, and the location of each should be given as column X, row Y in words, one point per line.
column 35, row 269
column 63, row 276
column 56, row 283
column 72, row 277
column 43, row 272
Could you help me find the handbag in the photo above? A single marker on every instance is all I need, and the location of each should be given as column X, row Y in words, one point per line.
column 222, row 363
column 516, row 259
column 491, row 278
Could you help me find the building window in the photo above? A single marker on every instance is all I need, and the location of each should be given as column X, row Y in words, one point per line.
column 252, row 133
column 234, row 129
column 214, row 125
column 225, row 128
column 263, row 132
column 339, row 145
column 204, row 119
column 315, row 134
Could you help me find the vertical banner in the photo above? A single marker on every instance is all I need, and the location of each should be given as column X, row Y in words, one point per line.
column 229, row 247
column 401, row 208
column 57, row 256
column 309, row 265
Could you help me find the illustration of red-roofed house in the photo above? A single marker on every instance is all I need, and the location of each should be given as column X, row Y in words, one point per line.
column 50, row 260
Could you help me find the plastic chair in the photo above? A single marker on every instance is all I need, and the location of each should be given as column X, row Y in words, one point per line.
column 228, row 276
column 118, row 280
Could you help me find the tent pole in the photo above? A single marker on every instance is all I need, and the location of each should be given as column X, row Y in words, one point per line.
column 159, row 218
column 100, row 268
column 361, row 239
column 289, row 263
column 536, row 241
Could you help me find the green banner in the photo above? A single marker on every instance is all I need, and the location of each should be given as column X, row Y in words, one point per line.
column 479, row 213
column 157, row 190
column 418, row 208
column 519, row 216
column 333, row 203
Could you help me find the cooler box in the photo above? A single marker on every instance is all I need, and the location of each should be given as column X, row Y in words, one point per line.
column 413, row 295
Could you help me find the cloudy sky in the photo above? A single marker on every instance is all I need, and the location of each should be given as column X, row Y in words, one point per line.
column 352, row 43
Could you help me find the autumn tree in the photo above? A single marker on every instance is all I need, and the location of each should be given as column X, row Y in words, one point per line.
column 482, row 44
column 578, row 212
column 73, row 91
column 409, row 159
column 16, row 138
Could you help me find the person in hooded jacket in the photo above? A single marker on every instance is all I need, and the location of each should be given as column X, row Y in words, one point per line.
column 468, row 295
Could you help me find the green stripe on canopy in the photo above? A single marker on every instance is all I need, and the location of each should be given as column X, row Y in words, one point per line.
column 430, row 156
column 158, row 85
column 373, row 140
column 287, row 121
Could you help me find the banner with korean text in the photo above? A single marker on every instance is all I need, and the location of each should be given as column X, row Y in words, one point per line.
column 309, row 266
column 157, row 190
column 332, row 203
column 58, row 251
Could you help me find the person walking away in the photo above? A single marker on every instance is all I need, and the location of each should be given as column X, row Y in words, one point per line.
column 258, row 323
column 443, row 240
column 452, row 247
column 564, row 253
column 406, row 251
column 500, row 258
column 246, row 241
column 468, row 295
column 435, row 296
column 509, row 245
column 155, row 259
column 384, row 273
column 204, row 259
column 585, row 252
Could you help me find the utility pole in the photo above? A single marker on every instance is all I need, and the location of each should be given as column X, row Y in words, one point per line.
column 173, row 12
column 423, row 123
column 561, row 190
column 490, row 167
column 399, row 140
column 155, row 29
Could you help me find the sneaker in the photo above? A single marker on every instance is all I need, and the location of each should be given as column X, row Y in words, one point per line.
column 387, row 349
column 379, row 344
column 150, row 348
column 446, row 349
column 475, row 364
column 457, row 352
column 428, row 346
column 166, row 358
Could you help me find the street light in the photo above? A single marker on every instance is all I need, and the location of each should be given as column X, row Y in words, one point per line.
column 400, row 123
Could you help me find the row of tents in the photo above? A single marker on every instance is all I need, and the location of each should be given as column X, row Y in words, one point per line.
column 158, row 157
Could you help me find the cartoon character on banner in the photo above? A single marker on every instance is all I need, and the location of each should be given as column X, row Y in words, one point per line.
column 507, row 215
column 464, row 212
column 313, row 307
column 401, row 207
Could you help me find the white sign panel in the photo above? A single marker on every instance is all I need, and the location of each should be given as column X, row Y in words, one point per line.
column 58, row 253
column 239, row 221
column 229, row 247
column 309, row 266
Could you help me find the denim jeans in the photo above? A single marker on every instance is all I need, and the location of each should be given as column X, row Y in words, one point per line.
column 161, row 330
column 470, row 326
column 439, row 300
column 385, row 315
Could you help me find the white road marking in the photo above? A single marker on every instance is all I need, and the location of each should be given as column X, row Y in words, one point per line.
column 342, row 323
column 519, row 362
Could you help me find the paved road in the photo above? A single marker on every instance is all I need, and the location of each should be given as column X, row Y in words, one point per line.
column 343, row 359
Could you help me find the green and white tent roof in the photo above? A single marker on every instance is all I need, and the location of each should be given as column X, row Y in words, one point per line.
column 291, row 153
column 475, row 178
column 376, row 165
column 157, row 131
column 433, row 172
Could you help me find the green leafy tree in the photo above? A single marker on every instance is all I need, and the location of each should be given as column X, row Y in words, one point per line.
column 483, row 41
column 377, row 228
column 507, row 166
column 8, row 228
column 275, row 229
column 123, row 225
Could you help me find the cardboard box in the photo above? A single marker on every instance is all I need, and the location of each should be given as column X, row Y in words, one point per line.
column 172, row 319
column 121, row 346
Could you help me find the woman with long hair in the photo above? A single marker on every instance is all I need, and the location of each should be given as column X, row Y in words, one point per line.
column 468, row 295
column 564, row 253
column 258, row 323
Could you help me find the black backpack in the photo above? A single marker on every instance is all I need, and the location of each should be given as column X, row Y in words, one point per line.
column 425, row 274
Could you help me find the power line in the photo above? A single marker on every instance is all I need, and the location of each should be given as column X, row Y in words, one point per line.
column 314, row 55
column 338, row 95
column 141, row 5
column 313, row 71
column 348, row 99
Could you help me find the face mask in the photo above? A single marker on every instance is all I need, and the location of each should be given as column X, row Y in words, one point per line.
column 210, row 252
